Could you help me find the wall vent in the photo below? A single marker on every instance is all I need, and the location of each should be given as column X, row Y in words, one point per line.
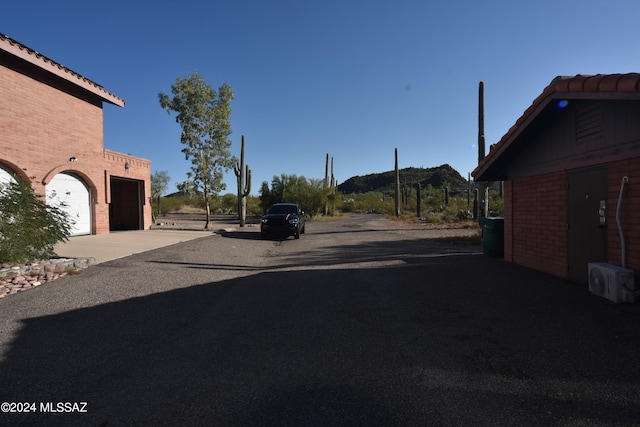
column 589, row 123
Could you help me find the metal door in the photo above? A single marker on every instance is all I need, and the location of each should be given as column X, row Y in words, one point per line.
column 587, row 228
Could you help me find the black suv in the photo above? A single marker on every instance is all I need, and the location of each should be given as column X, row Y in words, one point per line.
column 284, row 219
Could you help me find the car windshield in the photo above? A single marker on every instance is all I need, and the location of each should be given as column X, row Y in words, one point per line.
column 283, row 209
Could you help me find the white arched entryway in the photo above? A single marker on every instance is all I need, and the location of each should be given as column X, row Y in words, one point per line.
column 71, row 194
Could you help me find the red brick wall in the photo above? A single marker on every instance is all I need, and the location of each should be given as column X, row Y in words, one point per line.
column 536, row 217
column 42, row 127
column 508, row 221
column 629, row 213
column 537, row 225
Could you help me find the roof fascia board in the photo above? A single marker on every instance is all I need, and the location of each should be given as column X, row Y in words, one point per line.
column 18, row 50
column 597, row 96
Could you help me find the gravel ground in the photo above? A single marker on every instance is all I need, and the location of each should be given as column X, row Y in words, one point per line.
column 194, row 220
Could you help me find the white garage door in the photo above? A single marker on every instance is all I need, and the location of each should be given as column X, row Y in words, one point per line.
column 70, row 192
column 6, row 175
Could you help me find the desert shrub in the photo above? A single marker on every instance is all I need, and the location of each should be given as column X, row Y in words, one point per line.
column 310, row 193
column 253, row 207
column 464, row 215
column 434, row 206
column 29, row 229
column 371, row 202
column 172, row 204
column 496, row 204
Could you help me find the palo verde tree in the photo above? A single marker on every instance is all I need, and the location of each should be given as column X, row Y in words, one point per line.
column 204, row 116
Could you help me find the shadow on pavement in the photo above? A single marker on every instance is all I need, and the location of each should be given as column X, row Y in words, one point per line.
column 254, row 235
column 241, row 234
column 460, row 340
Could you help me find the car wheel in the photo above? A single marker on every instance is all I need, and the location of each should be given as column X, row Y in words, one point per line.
column 296, row 234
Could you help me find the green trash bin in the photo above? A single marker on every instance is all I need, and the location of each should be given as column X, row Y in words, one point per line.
column 493, row 236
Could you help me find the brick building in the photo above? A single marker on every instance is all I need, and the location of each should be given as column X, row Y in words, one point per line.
column 563, row 163
column 51, row 135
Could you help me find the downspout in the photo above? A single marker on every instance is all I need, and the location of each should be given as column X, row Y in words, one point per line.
column 625, row 180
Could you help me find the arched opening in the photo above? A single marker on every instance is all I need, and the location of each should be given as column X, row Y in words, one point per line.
column 69, row 192
column 6, row 175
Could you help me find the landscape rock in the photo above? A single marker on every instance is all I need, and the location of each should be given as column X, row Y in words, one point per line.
column 19, row 278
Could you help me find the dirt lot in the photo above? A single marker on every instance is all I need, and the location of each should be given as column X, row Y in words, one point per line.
column 193, row 219
column 189, row 219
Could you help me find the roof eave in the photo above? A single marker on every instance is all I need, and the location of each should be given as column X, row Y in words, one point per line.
column 605, row 87
column 512, row 134
column 20, row 51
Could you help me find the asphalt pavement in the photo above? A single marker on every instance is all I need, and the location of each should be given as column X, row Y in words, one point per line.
column 350, row 325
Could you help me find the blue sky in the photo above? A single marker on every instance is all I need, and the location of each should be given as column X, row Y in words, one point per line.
column 352, row 78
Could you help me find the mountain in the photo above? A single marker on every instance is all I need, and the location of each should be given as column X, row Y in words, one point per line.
column 436, row 177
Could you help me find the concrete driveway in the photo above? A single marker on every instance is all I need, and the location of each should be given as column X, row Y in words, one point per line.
column 119, row 244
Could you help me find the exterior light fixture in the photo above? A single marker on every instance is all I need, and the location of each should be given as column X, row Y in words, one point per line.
column 127, row 165
column 73, row 158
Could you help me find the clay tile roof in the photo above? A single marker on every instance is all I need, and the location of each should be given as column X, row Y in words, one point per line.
column 575, row 84
column 609, row 83
column 600, row 86
column 628, row 83
column 19, row 50
column 591, row 84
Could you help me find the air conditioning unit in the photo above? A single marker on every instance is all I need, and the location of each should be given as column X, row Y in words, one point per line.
column 612, row 282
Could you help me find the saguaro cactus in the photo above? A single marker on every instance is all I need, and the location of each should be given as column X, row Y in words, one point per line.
column 476, row 212
column 397, row 195
column 419, row 201
column 243, row 174
column 481, row 142
column 332, row 190
column 325, row 186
